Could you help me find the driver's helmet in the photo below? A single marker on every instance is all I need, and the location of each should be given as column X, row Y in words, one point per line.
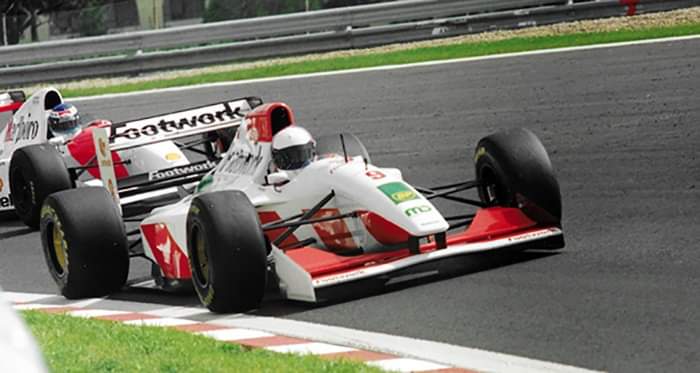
column 293, row 148
column 64, row 120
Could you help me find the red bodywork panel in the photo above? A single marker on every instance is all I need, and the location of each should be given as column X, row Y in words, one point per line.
column 10, row 107
column 170, row 257
column 489, row 223
column 268, row 119
column 82, row 149
column 270, row 216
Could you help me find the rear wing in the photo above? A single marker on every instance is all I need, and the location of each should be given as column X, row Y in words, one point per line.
column 181, row 124
column 11, row 101
column 168, row 127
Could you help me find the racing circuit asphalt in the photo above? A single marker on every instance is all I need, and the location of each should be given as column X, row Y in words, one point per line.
column 621, row 127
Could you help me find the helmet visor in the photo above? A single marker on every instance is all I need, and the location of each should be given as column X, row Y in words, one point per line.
column 66, row 127
column 294, row 157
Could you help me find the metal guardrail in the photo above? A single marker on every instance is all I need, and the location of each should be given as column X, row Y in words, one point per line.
column 256, row 28
column 299, row 33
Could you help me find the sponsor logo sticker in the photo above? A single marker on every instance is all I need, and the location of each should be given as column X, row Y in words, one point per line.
column 6, row 202
column 24, row 131
column 398, row 192
column 205, row 182
column 103, row 147
column 172, row 156
column 191, row 120
column 417, row 210
column 179, row 171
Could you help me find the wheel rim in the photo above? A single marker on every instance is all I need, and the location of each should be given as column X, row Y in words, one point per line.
column 200, row 257
column 58, row 252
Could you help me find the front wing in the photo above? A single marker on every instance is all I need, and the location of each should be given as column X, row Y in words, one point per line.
column 313, row 275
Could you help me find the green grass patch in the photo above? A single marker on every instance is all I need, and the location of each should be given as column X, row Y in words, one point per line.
column 72, row 344
column 470, row 49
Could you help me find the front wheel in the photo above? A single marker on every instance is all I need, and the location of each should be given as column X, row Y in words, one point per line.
column 514, row 170
column 84, row 242
column 227, row 252
column 36, row 171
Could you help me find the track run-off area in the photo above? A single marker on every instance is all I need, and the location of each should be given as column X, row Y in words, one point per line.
column 621, row 127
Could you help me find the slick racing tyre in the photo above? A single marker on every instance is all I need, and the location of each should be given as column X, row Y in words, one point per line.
column 227, row 253
column 514, row 170
column 331, row 144
column 35, row 172
column 84, row 242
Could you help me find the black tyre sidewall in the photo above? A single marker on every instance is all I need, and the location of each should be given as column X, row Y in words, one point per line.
column 43, row 169
column 98, row 260
column 235, row 246
column 524, row 174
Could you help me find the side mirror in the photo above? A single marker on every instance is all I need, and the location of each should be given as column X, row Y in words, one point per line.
column 277, row 178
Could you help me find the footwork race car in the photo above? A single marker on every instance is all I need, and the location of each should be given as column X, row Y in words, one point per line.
column 44, row 149
column 314, row 217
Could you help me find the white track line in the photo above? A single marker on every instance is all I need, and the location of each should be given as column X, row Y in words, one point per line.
column 391, row 67
column 164, row 321
column 315, row 348
column 436, row 352
column 235, row 334
column 405, row 365
column 85, row 302
column 96, row 313
column 176, row 311
column 15, row 297
column 326, row 338
column 29, row 306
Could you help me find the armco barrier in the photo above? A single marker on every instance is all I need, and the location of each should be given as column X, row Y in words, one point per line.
column 255, row 28
column 327, row 30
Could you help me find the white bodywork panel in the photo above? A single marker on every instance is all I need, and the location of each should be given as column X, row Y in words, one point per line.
column 28, row 126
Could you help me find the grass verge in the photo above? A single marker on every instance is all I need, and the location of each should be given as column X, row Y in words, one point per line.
column 462, row 50
column 72, row 344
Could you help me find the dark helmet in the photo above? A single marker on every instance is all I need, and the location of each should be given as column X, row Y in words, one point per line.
column 64, row 120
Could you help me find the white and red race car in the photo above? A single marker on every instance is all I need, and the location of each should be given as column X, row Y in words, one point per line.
column 34, row 163
column 340, row 221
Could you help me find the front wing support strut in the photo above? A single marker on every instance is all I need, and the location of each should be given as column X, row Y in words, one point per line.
column 305, row 216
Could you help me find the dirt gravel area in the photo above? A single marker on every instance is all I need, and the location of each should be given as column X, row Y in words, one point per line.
column 638, row 22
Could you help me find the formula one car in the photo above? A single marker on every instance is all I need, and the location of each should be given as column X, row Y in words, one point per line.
column 35, row 161
column 338, row 221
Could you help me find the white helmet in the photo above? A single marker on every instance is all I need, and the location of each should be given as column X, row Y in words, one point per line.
column 293, row 148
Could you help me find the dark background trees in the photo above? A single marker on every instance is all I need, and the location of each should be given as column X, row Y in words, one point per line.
column 21, row 15
column 97, row 17
column 220, row 10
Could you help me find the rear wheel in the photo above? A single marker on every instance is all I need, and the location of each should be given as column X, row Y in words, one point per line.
column 227, row 252
column 36, row 171
column 84, row 242
column 514, row 170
